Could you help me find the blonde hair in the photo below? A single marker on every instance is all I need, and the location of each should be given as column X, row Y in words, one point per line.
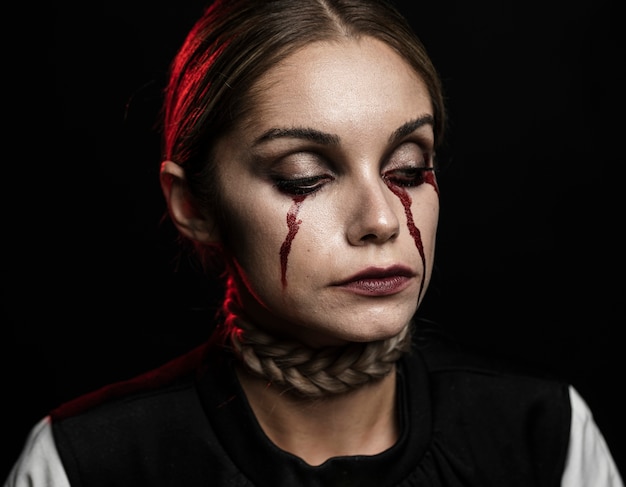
column 304, row 370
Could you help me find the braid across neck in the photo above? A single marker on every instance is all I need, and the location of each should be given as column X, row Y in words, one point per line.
column 307, row 371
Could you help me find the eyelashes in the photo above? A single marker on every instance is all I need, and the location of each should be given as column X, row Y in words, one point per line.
column 408, row 177
column 302, row 186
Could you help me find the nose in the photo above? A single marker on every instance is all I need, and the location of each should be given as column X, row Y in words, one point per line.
column 374, row 218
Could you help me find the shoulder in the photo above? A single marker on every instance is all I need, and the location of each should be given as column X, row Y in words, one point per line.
column 462, row 374
column 39, row 462
column 479, row 382
column 161, row 403
column 175, row 375
column 503, row 412
column 98, row 423
column 157, row 416
column 589, row 461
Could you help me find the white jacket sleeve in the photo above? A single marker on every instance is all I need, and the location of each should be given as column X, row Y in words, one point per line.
column 39, row 464
column 589, row 462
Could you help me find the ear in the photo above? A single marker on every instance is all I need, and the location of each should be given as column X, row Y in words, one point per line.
column 190, row 222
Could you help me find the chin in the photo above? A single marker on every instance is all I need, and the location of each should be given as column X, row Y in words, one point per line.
column 372, row 332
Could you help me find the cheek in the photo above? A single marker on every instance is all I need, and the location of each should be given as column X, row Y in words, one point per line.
column 312, row 235
column 428, row 222
column 427, row 219
column 253, row 234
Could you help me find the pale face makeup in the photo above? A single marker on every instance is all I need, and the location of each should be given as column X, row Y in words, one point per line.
column 330, row 196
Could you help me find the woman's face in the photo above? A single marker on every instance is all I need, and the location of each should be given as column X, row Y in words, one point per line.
column 329, row 194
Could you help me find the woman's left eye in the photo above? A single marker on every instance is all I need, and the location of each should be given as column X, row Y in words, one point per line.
column 301, row 186
column 407, row 177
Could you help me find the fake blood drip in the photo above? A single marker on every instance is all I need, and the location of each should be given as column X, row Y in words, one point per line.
column 405, row 198
column 293, row 224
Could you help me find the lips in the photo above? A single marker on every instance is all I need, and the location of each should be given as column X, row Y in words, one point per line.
column 376, row 281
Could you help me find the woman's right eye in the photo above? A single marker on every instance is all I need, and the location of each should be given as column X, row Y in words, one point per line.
column 301, row 186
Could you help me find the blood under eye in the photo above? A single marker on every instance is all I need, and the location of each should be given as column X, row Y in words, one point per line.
column 407, row 177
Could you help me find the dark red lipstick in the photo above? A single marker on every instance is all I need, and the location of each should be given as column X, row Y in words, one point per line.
column 377, row 281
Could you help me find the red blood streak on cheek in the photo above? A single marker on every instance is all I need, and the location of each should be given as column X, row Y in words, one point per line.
column 293, row 224
column 429, row 178
column 405, row 198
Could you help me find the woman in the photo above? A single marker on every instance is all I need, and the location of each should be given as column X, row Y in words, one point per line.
column 299, row 159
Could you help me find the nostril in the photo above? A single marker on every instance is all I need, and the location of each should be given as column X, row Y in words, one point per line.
column 382, row 236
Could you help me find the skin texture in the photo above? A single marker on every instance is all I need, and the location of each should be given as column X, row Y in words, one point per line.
column 361, row 201
column 360, row 92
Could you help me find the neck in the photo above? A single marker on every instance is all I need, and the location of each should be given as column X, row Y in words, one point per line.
column 362, row 421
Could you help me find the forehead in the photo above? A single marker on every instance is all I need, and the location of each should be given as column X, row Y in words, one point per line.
column 341, row 83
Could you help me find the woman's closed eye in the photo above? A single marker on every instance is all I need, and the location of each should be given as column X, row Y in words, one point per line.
column 301, row 186
column 407, row 177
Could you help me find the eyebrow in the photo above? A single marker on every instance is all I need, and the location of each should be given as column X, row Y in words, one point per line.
column 410, row 127
column 324, row 138
column 309, row 134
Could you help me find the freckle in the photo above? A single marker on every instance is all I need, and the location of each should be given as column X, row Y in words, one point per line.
column 293, row 224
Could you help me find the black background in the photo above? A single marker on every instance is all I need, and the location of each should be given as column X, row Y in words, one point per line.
column 530, row 256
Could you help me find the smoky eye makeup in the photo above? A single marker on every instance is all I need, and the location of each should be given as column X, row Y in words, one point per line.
column 301, row 186
column 408, row 165
column 408, row 177
column 297, row 174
